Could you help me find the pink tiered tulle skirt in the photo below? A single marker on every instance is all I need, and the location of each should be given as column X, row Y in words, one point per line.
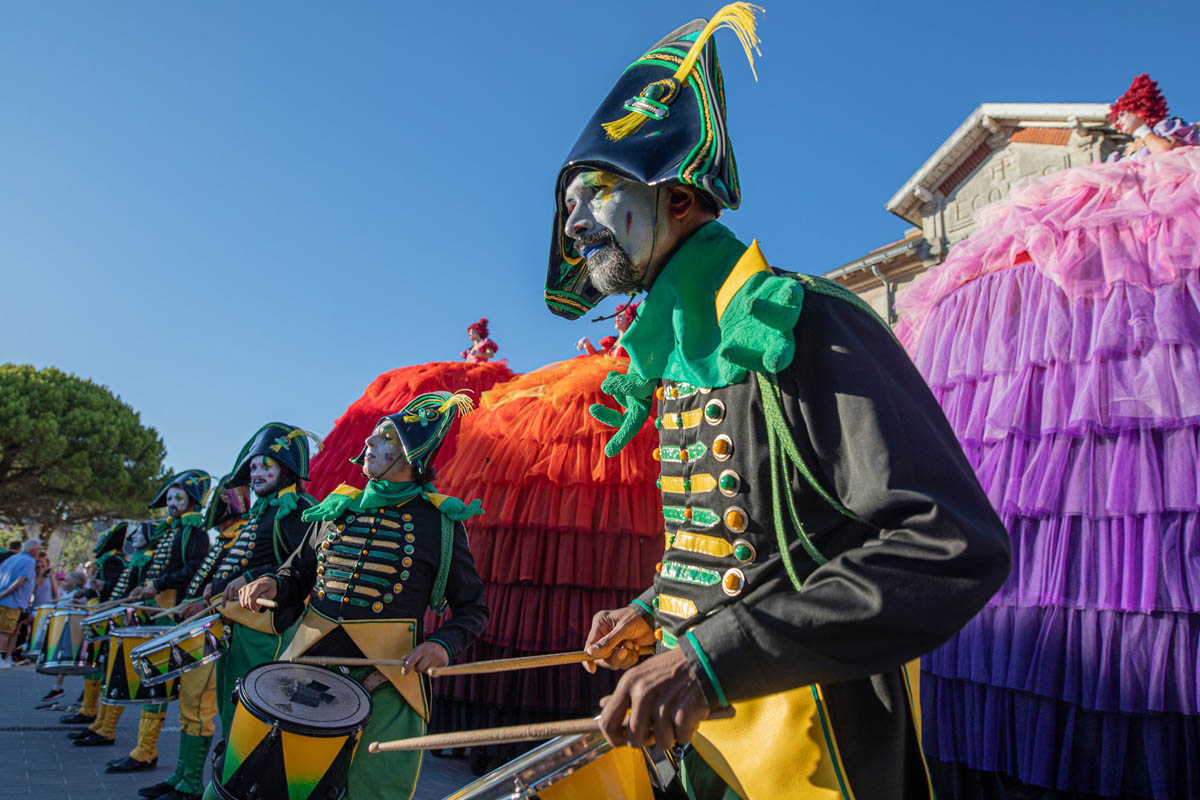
column 1063, row 342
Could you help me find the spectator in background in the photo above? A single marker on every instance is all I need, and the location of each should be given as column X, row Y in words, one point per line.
column 14, row 547
column 72, row 584
column 17, row 575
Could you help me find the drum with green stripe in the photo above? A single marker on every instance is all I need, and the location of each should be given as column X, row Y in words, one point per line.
column 294, row 732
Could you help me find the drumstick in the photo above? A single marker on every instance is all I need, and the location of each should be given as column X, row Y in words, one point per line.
column 474, row 668
column 265, row 603
column 508, row 734
column 208, row 607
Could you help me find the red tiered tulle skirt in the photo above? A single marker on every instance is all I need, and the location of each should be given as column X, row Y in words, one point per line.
column 566, row 532
column 386, row 395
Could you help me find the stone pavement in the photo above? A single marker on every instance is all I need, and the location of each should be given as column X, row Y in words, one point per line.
column 39, row 761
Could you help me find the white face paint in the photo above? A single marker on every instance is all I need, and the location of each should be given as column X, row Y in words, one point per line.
column 384, row 451
column 137, row 540
column 264, row 475
column 604, row 210
column 178, row 502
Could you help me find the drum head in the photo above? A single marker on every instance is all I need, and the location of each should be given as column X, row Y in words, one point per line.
column 305, row 699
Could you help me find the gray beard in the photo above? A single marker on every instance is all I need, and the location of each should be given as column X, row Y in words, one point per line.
column 613, row 272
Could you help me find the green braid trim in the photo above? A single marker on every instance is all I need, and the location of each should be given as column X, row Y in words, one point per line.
column 708, row 670
column 437, row 596
column 773, row 410
column 646, row 611
column 446, row 647
column 834, row 289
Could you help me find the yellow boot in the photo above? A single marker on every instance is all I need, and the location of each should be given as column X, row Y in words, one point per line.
column 91, row 698
column 104, row 730
column 144, row 754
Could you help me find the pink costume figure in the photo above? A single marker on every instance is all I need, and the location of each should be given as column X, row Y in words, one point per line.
column 482, row 348
column 611, row 345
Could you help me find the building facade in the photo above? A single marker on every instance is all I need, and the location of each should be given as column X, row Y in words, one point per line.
column 996, row 146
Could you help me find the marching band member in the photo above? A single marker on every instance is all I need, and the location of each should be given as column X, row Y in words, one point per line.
column 110, row 565
column 371, row 563
column 180, row 545
column 198, row 687
column 823, row 526
column 138, row 547
column 272, row 463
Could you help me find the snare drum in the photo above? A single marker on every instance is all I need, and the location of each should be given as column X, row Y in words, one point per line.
column 66, row 653
column 578, row 767
column 185, row 647
column 36, row 645
column 292, row 721
column 123, row 685
column 98, row 626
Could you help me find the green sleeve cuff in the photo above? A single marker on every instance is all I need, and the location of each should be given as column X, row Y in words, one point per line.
column 644, row 609
column 708, row 678
column 446, row 647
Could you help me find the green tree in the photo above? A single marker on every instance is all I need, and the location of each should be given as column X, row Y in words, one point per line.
column 70, row 451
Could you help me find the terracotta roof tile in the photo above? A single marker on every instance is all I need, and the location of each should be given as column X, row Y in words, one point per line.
column 1059, row 136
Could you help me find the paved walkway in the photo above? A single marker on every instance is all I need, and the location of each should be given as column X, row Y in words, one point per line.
column 39, row 761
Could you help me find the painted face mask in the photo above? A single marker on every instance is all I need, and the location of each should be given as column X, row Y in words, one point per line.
column 136, row 541
column 384, row 450
column 178, row 502
column 265, row 474
column 614, row 224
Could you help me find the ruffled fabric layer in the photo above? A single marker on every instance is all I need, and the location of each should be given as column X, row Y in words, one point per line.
column 385, row 395
column 566, row 532
column 1063, row 343
column 1086, row 228
column 1051, row 743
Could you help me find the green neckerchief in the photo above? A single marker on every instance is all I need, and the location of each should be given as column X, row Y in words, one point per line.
column 380, row 494
column 676, row 334
column 139, row 559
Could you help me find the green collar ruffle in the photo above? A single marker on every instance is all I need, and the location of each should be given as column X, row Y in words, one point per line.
column 715, row 313
column 286, row 501
column 380, row 494
column 678, row 335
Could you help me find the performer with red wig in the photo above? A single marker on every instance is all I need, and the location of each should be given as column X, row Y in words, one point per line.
column 482, row 348
column 1142, row 113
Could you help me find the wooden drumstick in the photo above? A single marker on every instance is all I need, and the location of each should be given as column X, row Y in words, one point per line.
column 508, row 734
column 474, row 668
column 265, row 603
column 208, row 607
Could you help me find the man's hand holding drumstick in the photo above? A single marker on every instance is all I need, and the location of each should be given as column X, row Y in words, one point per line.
column 658, row 699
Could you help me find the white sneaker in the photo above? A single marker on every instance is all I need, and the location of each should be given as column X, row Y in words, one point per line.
column 5, row 663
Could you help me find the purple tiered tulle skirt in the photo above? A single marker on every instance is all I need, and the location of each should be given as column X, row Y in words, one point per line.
column 1073, row 382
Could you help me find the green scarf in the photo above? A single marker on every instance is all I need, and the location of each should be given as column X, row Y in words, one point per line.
column 380, row 494
column 677, row 335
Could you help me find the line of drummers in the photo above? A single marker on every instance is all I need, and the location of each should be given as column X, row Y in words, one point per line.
column 344, row 584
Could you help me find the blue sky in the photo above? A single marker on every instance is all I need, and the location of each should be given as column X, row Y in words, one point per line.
column 230, row 213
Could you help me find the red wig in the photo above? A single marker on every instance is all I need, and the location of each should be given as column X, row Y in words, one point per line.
column 479, row 328
column 628, row 311
column 1142, row 98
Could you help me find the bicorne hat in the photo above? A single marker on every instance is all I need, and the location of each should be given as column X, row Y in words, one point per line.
column 662, row 124
column 423, row 425
column 193, row 481
column 285, row 443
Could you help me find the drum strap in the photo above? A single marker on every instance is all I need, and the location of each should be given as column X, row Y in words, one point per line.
column 437, row 597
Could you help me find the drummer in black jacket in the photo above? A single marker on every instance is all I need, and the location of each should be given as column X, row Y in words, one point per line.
column 368, row 568
column 272, row 463
column 180, row 544
column 110, row 563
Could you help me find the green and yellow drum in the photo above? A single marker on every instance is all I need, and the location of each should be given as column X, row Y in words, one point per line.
column 36, row 645
column 123, row 684
column 189, row 645
column 295, row 729
column 66, row 652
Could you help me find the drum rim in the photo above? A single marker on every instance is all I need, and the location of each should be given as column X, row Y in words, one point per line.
column 137, row 630
column 507, row 772
column 289, row 726
column 158, row 678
